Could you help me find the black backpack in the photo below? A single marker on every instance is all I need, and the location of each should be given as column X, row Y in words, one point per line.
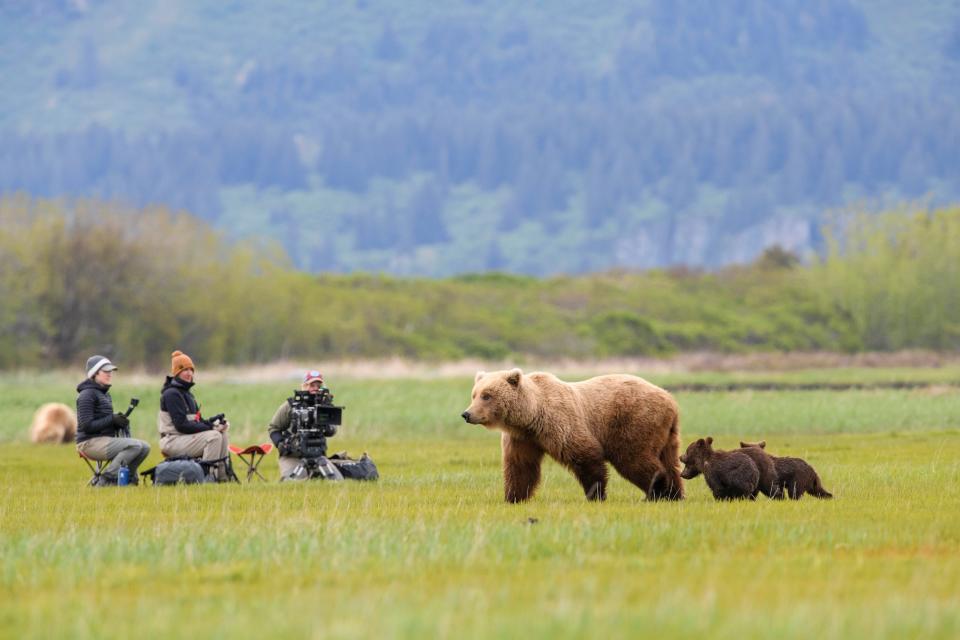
column 185, row 470
column 176, row 471
column 362, row 469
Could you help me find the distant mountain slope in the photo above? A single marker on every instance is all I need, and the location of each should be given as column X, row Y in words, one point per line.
column 435, row 138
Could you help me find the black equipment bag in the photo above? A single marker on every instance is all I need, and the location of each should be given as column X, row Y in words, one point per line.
column 362, row 469
column 176, row 471
column 182, row 469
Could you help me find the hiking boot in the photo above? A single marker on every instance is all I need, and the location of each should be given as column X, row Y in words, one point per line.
column 105, row 481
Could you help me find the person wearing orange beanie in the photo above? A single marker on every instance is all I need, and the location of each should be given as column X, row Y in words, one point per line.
column 180, row 361
column 183, row 431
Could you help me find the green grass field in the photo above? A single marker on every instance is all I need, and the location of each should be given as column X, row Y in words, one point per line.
column 431, row 551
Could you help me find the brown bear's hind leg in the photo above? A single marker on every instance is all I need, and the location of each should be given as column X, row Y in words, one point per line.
column 648, row 474
column 794, row 491
column 592, row 474
column 666, row 485
column 521, row 468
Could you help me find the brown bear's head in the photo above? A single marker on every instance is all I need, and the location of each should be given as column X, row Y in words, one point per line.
column 761, row 444
column 696, row 457
column 498, row 400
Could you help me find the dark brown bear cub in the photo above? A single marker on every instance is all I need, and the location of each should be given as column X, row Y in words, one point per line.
column 731, row 475
column 794, row 475
column 769, row 484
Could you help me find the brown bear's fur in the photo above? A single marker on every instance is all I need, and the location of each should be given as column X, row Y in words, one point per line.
column 54, row 423
column 768, row 484
column 621, row 419
column 794, row 475
column 729, row 474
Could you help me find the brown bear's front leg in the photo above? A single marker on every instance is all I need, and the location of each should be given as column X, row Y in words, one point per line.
column 521, row 467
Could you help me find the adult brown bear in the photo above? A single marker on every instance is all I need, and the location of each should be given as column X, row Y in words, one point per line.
column 621, row 419
column 54, row 423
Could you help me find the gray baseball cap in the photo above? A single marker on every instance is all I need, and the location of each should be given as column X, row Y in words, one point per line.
column 98, row 363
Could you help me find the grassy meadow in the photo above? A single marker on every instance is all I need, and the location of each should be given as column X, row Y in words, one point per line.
column 432, row 551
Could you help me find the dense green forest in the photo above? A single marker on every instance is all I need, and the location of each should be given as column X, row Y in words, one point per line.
column 88, row 276
column 422, row 138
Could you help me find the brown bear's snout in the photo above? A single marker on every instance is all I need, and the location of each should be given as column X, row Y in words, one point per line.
column 466, row 416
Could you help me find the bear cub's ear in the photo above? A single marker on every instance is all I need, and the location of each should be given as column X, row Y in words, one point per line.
column 709, row 439
column 514, row 377
column 479, row 375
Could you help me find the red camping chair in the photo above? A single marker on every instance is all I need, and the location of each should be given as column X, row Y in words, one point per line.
column 251, row 459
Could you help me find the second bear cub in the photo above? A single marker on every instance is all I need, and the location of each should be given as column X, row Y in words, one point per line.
column 731, row 475
column 795, row 476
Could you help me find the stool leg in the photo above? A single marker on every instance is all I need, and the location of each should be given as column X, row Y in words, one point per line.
column 246, row 462
column 251, row 467
column 257, row 464
column 95, row 472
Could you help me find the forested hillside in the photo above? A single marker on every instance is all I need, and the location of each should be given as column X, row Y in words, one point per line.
column 441, row 138
column 134, row 284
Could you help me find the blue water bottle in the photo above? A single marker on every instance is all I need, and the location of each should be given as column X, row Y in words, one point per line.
column 123, row 478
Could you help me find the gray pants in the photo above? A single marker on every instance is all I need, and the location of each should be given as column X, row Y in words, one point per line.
column 206, row 445
column 119, row 451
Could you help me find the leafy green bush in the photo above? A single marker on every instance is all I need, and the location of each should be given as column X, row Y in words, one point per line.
column 92, row 276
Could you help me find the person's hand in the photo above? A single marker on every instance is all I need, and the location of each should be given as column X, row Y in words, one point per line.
column 222, row 426
column 120, row 421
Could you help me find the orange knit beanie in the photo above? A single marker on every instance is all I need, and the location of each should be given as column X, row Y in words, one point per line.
column 180, row 362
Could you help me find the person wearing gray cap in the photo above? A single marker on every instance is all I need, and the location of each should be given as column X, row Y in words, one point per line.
column 101, row 433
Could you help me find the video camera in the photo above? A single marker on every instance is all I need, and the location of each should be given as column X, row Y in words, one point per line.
column 313, row 419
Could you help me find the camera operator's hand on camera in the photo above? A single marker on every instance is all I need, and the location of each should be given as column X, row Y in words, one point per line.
column 222, row 426
column 120, row 421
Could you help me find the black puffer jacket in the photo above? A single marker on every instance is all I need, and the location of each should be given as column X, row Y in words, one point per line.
column 177, row 400
column 94, row 411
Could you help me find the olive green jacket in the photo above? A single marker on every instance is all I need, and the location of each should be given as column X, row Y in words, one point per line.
column 281, row 419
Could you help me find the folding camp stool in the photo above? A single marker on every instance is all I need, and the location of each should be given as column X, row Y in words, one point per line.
column 96, row 471
column 251, row 459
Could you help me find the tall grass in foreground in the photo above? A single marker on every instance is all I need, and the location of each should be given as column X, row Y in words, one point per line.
column 432, row 550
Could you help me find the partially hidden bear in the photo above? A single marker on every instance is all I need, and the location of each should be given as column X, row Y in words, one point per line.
column 795, row 476
column 53, row 423
column 620, row 419
column 769, row 483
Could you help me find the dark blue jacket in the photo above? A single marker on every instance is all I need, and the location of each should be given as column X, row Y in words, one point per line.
column 177, row 400
column 94, row 411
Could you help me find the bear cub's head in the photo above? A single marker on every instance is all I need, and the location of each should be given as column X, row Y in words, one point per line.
column 495, row 398
column 694, row 460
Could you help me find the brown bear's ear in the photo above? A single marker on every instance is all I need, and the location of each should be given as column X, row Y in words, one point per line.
column 479, row 375
column 709, row 439
column 762, row 444
column 514, row 377
column 701, row 441
column 743, row 445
